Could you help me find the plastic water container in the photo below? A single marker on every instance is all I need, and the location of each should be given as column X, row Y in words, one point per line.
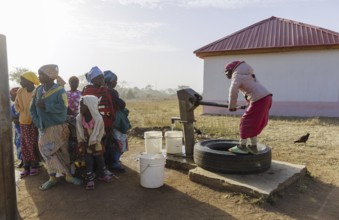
column 173, row 142
column 153, row 141
column 152, row 169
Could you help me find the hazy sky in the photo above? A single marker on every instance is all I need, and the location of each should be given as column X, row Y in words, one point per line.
column 145, row 42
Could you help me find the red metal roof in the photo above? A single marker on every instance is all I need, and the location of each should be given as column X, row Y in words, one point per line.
column 270, row 35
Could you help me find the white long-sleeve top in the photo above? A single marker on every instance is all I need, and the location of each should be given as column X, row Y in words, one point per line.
column 243, row 80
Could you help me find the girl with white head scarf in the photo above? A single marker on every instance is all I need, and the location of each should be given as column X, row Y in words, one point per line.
column 90, row 131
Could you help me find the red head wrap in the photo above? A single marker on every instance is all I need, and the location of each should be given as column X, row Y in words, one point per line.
column 14, row 90
column 232, row 66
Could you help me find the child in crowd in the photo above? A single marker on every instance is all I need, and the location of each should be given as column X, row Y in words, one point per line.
column 106, row 108
column 15, row 120
column 90, row 130
column 121, row 123
column 73, row 96
column 28, row 131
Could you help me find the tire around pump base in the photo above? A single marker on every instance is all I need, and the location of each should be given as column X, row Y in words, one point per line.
column 213, row 155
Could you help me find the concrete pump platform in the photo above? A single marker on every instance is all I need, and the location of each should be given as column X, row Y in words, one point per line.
column 279, row 176
column 179, row 162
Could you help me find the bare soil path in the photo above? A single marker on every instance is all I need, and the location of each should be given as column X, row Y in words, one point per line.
column 179, row 198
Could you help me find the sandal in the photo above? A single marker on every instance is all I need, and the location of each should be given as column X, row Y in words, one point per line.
column 90, row 185
column 74, row 181
column 252, row 149
column 238, row 150
column 106, row 178
column 20, row 165
column 48, row 184
column 24, row 173
column 119, row 169
column 34, row 171
column 108, row 173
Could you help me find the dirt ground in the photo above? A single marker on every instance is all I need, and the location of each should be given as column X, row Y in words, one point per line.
column 179, row 198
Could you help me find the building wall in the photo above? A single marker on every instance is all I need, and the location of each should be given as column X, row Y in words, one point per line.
column 304, row 83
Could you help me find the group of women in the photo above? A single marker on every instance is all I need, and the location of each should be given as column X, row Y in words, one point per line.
column 44, row 111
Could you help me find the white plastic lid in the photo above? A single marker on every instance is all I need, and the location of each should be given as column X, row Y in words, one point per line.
column 173, row 134
column 152, row 134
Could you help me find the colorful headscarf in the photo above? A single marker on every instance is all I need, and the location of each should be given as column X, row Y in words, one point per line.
column 94, row 72
column 110, row 76
column 51, row 70
column 232, row 65
column 14, row 90
column 32, row 77
column 60, row 81
column 87, row 78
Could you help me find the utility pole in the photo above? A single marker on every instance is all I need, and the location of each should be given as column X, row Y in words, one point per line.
column 8, row 201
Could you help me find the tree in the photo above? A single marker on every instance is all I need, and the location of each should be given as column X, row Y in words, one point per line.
column 130, row 94
column 15, row 74
column 82, row 82
column 149, row 87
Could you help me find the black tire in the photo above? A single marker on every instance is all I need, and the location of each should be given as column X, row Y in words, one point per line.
column 213, row 155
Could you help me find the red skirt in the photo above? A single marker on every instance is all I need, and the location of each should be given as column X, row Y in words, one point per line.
column 255, row 119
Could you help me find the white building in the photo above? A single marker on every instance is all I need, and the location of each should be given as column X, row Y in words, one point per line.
column 297, row 62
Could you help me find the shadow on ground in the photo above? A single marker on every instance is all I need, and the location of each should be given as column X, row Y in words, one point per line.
column 179, row 198
column 122, row 199
column 309, row 198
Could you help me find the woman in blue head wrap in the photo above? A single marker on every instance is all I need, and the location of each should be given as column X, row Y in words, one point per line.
column 121, row 123
column 110, row 79
column 106, row 108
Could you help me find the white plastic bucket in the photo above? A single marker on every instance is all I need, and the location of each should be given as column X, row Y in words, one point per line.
column 153, row 141
column 173, row 142
column 152, row 168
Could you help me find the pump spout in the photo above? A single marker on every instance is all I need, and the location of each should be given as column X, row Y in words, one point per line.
column 173, row 119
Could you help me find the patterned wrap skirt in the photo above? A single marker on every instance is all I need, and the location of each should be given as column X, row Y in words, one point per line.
column 29, row 143
column 53, row 146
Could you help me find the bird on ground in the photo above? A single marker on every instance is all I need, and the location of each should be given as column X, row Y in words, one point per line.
column 303, row 139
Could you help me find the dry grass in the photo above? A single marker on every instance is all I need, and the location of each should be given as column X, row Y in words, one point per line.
column 319, row 154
